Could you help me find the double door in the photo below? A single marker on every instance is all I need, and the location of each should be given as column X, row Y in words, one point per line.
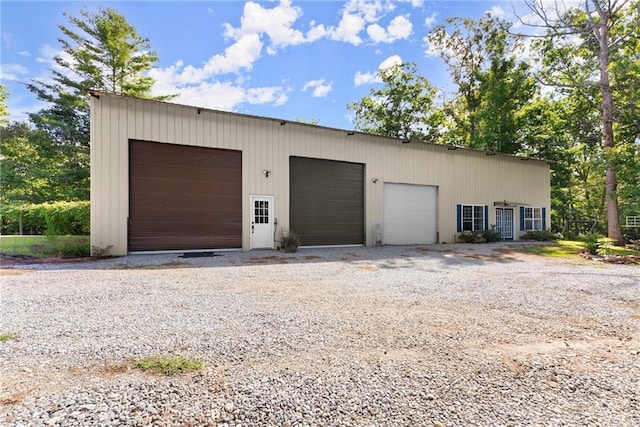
column 504, row 223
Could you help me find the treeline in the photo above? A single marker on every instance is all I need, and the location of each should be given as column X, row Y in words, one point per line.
column 57, row 218
column 570, row 95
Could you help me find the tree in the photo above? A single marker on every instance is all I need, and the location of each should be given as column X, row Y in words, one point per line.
column 493, row 84
column 4, row 110
column 100, row 51
column 403, row 108
column 24, row 173
column 579, row 43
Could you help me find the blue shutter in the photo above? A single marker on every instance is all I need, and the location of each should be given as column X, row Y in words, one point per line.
column 459, row 217
column 544, row 218
column 521, row 217
column 486, row 217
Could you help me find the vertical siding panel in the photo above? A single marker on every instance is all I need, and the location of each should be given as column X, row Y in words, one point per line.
column 139, row 109
column 171, row 124
column 154, row 112
column 123, row 173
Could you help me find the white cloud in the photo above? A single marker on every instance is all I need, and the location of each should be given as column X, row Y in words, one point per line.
column 414, row 3
column 24, row 53
column 400, row 27
column 223, row 95
column 496, row 11
column 377, row 33
column 316, row 32
column 430, row 20
column 320, row 90
column 364, row 78
column 356, row 14
column 390, row 62
column 277, row 23
column 369, row 77
column 348, row 29
column 13, row 72
column 369, row 10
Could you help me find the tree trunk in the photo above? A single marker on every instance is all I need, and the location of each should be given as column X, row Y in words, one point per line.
column 601, row 32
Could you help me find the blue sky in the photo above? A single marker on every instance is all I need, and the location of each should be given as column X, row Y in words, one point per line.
column 284, row 59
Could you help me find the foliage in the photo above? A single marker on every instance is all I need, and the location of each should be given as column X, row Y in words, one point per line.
column 42, row 246
column 403, row 108
column 539, row 235
column 491, row 235
column 57, row 218
column 100, row 51
column 34, row 170
column 605, row 246
column 482, row 236
column 290, row 242
column 7, row 337
column 4, row 110
column 493, row 84
column 588, row 50
column 631, row 234
column 168, row 365
column 590, row 241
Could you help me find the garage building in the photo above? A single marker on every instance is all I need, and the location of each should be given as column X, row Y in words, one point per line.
column 169, row 177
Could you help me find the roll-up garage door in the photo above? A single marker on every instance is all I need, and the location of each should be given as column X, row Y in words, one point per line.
column 184, row 197
column 326, row 201
column 410, row 214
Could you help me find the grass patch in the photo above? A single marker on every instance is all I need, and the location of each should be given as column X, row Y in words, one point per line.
column 168, row 365
column 569, row 249
column 559, row 249
column 617, row 250
column 7, row 337
column 44, row 246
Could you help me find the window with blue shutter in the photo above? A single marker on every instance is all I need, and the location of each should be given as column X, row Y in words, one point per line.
column 472, row 217
column 486, row 217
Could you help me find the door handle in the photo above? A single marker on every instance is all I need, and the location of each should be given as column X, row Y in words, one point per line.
column 252, row 228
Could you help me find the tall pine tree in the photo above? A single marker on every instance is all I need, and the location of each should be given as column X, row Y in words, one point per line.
column 100, row 51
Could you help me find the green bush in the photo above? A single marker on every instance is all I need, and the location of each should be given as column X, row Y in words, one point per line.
column 590, row 242
column 605, row 246
column 539, row 235
column 57, row 218
column 76, row 248
column 471, row 237
column 491, row 235
column 631, row 234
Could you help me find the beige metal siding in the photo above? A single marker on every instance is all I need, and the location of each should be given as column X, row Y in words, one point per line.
column 462, row 176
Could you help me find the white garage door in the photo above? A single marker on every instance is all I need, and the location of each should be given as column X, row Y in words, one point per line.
column 410, row 214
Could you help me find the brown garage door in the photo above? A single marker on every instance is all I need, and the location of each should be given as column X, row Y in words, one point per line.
column 183, row 197
column 326, row 201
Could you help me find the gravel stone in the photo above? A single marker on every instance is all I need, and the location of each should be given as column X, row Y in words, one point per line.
column 438, row 335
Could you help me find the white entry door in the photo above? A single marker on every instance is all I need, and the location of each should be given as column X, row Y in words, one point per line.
column 261, row 222
column 504, row 223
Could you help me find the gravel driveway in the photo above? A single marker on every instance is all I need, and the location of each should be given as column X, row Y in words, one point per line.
column 413, row 335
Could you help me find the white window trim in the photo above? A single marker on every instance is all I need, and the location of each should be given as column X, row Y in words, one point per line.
column 531, row 222
column 473, row 218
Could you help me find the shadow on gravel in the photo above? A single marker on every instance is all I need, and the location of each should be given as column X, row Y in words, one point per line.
column 371, row 258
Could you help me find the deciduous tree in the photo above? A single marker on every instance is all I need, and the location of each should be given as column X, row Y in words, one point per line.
column 580, row 43
column 402, row 108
